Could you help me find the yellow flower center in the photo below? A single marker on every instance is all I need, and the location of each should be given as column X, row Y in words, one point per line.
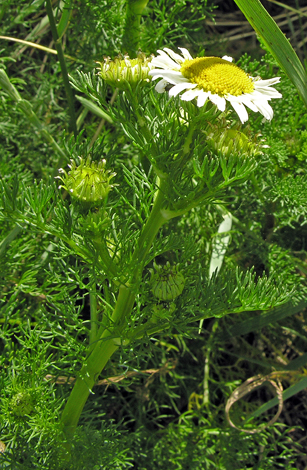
column 217, row 75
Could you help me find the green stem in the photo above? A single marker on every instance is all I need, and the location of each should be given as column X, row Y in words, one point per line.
column 186, row 152
column 58, row 46
column 134, row 9
column 9, row 238
column 93, row 309
column 90, row 370
column 151, row 228
column 102, row 249
column 145, row 131
column 107, row 342
column 188, row 140
column 26, row 108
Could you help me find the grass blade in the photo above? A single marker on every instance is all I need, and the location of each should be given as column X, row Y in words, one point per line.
column 276, row 42
column 263, row 319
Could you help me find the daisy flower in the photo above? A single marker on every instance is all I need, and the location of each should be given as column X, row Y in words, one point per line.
column 213, row 78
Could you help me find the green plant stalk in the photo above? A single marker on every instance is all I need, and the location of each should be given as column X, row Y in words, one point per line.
column 41, row 48
column 104, row 254
column 9, row 238
column 93, row 309
column 58, row 46
column 130, row 41
column 186, row 152
column 26, row 108
column 109, row 337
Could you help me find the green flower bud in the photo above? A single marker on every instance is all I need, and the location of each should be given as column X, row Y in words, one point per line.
column 22, row 403
column 123, row 72
column 167, row 282
column 89, row 182
column 228, row 142
column 162, row 311
column 95, row 223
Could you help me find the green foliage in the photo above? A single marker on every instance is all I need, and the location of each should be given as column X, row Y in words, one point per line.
column 77, row 299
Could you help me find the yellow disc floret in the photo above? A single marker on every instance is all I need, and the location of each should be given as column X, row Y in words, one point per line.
column 219, row 76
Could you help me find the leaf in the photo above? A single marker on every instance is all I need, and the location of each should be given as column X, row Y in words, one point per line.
column 288, row 393
column 94, row 108
column 65, row 18
column 276, row 42
column 263, row 319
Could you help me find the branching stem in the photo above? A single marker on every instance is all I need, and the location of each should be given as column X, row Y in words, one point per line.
column 107, row 338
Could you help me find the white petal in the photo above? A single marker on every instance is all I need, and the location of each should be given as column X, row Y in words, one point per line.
column 155, row 77
column 266, row 93
column 202, row 98
column 270, row 81
column 190, row 94
column 160, row 86
column 174, row 73
column 219, row 101
column 165, row 62
column 180, row 87
column 174, row 56
column 240, row 110
column 265, row 109
column 185, row 53
column 248, row 103
column 226, row 57
column 247, row 100
column 172, row 77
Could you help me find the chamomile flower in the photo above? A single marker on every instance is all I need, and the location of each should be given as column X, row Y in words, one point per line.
column 213, row 78
column 123, row 70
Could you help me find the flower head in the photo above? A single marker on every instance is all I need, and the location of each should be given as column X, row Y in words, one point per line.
column 213, row 78
column 23, row 403
column 167, row 282
column 226, row 142
column 123, row 71
column 88, row 182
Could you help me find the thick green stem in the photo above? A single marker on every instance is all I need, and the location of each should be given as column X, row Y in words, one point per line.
column 91, row 368
column 131, row 36
column 151, row 228
column 109, row 337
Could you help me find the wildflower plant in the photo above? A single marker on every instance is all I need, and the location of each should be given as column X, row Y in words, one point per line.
column 107, row 254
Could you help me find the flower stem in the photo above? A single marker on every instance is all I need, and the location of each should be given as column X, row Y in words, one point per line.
column 26, row 108
column 134, row 9
column 93, row 309
column 107, row 337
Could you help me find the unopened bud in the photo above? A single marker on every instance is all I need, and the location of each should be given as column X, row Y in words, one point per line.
column 167, row 282
column 22, row 403
column 228, row 142
column 123, row 72
column 89, row 182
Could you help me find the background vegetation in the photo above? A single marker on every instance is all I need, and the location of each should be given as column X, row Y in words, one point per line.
column 160, row 403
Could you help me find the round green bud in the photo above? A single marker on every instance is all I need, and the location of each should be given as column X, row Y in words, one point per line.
column 162, row 311
column 227, row 142
column 22, row 403
column 167, row 282
column 88, row 182
column 123, row 72
column 95, row 223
